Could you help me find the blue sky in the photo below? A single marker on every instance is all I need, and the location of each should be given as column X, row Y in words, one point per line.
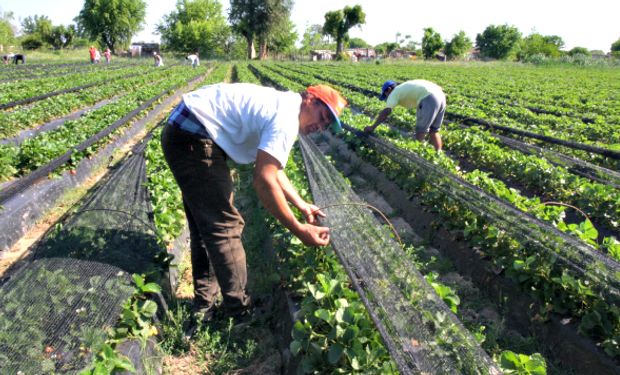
column 593, row 24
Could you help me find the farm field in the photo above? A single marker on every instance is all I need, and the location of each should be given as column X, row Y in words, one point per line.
column 501, row 254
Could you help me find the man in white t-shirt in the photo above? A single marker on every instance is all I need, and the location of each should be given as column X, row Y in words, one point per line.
column 248, row 124
column 428, row 99
column 193, row 59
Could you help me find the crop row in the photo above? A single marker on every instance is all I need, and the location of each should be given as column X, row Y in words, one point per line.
column 11, row 123
column 479, row 148
column 558, row 289
column 468, row 99
column 38, row 151
column 14, row 91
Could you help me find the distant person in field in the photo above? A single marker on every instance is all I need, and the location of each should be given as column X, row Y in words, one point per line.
column 159, row 61
column 194, row 60
column 245, row 123
column 19, row 57
column 108, row 55
column 97, row 56
column 92, row 51
column 7, row 58
column 428, row 99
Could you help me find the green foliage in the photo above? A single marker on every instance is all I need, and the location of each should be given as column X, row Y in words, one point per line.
column 537, row 44
column 256, row 20
column 431, row 43
column 615, row 49
column 31, row 42
column 339, row 22
column 7, row 31
column 112, row 23
column 282, row 37
column 498, row 42
column 522, row 364
column 40, row 25
column 195, row 26
column 386, row 48
column 61, row 36
column 615, row 46
column 579, row 51
column 357, row 43
column 458, row 46
column 313, row 39
column 109, row 361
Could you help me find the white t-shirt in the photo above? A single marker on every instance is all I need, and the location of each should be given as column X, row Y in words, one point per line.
column 243, row 118
column 193, row 59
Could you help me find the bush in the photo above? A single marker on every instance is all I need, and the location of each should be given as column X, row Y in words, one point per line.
column 31, row 42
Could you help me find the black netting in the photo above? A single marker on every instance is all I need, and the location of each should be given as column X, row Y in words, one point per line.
column 561, row 251
column 54, row 311
column 419, row 330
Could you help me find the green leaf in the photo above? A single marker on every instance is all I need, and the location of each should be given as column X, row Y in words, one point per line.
column 295, row 347
column 322, row 314
column 150, row 288
column 334, row 353
column 149, row 308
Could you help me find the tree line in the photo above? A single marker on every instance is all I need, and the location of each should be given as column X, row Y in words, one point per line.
column 262, row 28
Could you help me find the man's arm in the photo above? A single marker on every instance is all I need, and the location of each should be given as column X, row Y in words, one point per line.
column 272, row 195
column 383, row 115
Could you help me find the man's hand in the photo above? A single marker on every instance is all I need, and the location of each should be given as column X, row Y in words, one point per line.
column 312, row 213
column 312, row 235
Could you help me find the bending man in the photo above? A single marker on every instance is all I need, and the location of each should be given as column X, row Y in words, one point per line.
column 428, row 99
column 247, row 124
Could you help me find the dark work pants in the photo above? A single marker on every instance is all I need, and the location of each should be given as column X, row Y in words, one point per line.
column 218, row 258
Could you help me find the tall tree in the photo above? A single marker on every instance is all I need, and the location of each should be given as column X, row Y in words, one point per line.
column 498, row 42
column 431, row 43
column 255, row 20
column 458, row 46
column 313, row 38
column 615, row 48
column 281, row 39
column 40, row 25
column 7, row 30
column 195, row 26
column 61, row 36
column 339, row 22
column 112, row 22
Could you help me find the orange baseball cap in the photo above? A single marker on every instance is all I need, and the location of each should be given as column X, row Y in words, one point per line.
column 333, row 100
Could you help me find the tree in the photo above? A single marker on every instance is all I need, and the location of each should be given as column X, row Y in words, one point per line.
column 579, row 51
column 498, row 42
column 339, row 22
column 458, row 46
column 615, row 48
column 112, row 23
column 386, row 48
column 280, row 33
column 255, row 20
column 313, row 38
column 358, row 43
column 40, row 25
column 431, row 43
column 195, row 26
column 282, row 38
column 61, row 36
column 537, row 44
column 7, row 30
